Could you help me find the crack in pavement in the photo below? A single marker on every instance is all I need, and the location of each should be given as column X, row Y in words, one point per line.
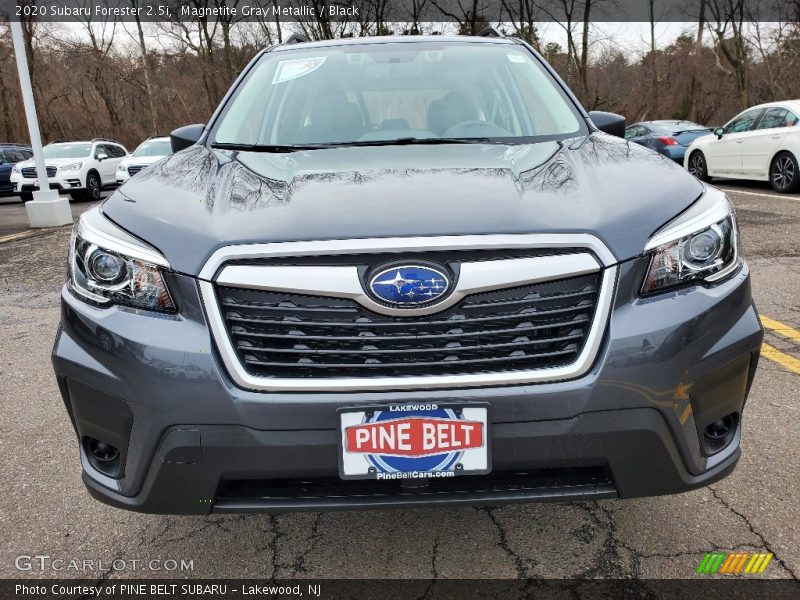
column 767, row 545
column 609, row 561
column 104, row 577
column 299, row 565
column 434, row 574
column 277, row 534
column 519, row 564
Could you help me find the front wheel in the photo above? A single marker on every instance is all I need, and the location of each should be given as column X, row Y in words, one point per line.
column 26, row 196
column 698, row 167
column 93, row 187
column 784, row 174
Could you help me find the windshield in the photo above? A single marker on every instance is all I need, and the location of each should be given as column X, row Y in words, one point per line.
column 394, row 91
column 67, row 150
column 154, row 148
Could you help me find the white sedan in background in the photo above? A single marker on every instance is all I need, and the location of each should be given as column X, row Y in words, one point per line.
column 149, row 151
column 762, row 143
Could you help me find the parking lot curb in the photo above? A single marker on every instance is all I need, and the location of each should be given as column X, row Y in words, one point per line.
column 28, row 233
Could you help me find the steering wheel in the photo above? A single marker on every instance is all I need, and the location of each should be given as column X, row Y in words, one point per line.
column 476, row 128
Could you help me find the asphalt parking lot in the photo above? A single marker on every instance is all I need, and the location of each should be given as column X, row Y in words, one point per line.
column 45, row 510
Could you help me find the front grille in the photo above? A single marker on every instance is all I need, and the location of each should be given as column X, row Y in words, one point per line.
column 540, row 484
column 30, row 172
column 284, row 335
column 134, row 169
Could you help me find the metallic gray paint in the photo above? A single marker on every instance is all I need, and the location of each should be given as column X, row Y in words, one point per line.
column 200, row 200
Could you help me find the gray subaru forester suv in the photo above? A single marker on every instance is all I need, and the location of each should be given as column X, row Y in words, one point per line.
column 404, row 271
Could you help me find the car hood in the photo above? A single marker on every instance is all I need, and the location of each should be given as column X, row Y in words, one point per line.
column 199, row 200
column 140, row 160
column 56, row 162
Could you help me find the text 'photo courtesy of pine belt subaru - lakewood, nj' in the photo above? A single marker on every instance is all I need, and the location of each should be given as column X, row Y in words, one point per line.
column 404, row 271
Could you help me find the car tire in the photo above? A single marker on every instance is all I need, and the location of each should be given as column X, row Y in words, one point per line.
column 784, row 173
column 697, row 166
column 26, row 196
column 93, row 187
column 78, row 196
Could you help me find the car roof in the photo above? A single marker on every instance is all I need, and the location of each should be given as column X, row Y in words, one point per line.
column 394, row 39
column 794, row 104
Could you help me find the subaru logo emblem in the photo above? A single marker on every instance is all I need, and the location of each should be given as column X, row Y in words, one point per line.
column 409, row 285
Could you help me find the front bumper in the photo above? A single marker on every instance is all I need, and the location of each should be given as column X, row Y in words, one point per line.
column 68, row 182
column 192, row 442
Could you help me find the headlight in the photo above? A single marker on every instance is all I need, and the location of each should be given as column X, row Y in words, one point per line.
column 702, row 245
column 121, row 167
column 72, row 167
column 15, row 169
column 108, row 266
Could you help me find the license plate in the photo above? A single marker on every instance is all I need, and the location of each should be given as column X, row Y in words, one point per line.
column 413, row 441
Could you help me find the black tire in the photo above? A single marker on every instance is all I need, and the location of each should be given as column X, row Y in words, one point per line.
column 93, row 187
column 697, row 166
column 26, row 196
column 784, row 173
column 78, row 196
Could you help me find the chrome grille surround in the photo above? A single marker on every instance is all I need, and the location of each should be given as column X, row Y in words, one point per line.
column 581, row 254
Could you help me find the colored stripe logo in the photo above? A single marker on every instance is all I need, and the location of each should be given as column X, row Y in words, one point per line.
column 734, row 563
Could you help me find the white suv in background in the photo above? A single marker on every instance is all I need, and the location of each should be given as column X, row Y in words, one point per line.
column 81, row 169
column 149, row 151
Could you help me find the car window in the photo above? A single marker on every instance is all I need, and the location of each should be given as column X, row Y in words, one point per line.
column 777, row 117
column 2, row 157
column 153, row 148
column 120, row 151
column 395, row 90
column 630, row 132
column 744, row 122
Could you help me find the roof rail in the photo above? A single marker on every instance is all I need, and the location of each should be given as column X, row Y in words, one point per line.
column 296, row 38
column 14, row 145
column 100, row 139
column 490, row 32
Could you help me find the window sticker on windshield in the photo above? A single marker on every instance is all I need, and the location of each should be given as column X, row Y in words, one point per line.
column 292, row 69
column 515, row 58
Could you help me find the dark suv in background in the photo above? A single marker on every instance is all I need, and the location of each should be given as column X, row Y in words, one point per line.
column 404, row 271
column 11, row 154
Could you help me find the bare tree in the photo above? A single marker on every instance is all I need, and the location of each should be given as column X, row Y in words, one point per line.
column 726, row 21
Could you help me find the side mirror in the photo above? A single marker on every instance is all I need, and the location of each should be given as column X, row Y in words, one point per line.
column 186, row 136
column 719, row 131
column 607, row 122
column 101, row 156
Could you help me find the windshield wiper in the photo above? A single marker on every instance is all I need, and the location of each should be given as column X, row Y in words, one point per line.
column 266, row 147
column 410, row 141
column 406, row 141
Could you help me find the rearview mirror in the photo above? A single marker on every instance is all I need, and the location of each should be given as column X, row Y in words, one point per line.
column 186, row 136
column 607, row 122
column 718, row 132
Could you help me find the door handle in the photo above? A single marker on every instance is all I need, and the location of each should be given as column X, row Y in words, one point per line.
column 740, row 141
column 776, row 137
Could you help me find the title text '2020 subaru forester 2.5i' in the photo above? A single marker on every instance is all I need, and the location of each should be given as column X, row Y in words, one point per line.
column 404, row 271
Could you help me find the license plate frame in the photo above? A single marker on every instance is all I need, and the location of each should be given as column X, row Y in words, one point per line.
column 378, row 467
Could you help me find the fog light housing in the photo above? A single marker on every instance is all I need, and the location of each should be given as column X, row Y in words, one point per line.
column 719, row 433
column 103, row 456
